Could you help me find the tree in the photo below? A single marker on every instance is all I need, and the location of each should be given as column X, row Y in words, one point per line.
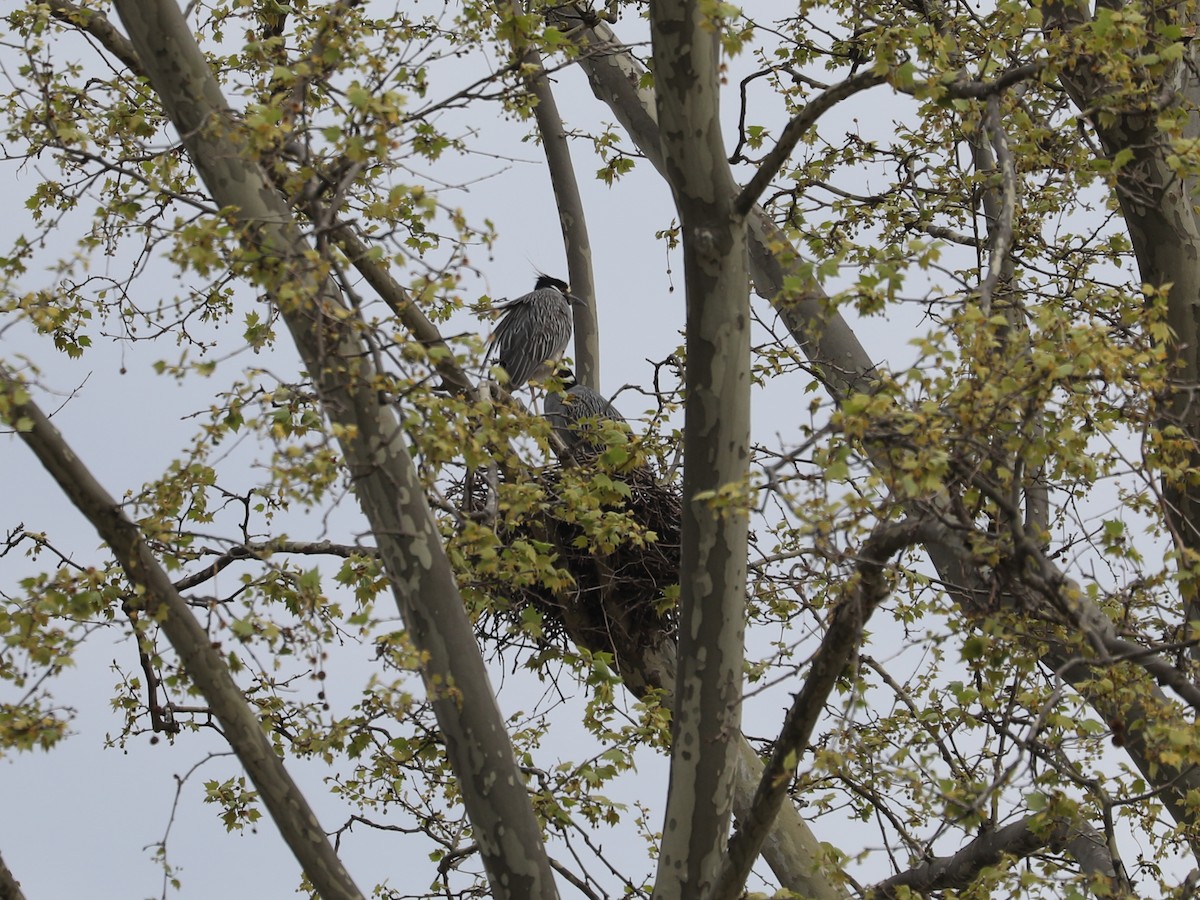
column 1007, row 502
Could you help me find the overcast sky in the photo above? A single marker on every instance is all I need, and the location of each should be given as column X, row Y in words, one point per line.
column 75, row 821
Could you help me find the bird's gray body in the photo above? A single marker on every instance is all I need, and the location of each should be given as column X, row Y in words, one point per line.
column 534, row 332
column 570, row 411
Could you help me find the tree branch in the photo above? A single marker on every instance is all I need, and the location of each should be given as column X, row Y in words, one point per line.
column 1161, row 670
column 204, row 663
column 98, row 26
column 991, row 155
column 572, row 218
column 793, row 852
column 796, row 129
column 865, row 591
column 373, row 444
column 10, row 888
column 259, row 549
column 844, row 368
column 1016, row 840
column 401, row 304
column 343, row 234
column 573, row 221
column 1157, row 203
column 791, row 849
column 1002, row 213
column 982, row 90
column 705, row 725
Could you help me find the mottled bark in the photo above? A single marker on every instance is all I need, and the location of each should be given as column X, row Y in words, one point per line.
column 716, row 451
column 844, row 368
column 154, row 593
column 1160, row 211
column 373, row 445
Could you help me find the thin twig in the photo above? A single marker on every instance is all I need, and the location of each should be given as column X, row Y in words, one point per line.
column 795, row 130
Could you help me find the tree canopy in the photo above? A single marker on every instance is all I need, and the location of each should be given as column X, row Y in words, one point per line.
column 896, row 569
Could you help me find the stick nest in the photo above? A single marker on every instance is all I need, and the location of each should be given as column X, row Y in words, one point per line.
column 614, row 598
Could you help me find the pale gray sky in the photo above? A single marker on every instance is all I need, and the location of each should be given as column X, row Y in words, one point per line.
column 75, row 821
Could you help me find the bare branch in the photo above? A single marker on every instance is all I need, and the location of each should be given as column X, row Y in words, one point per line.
column 865, row 591
column 1016, row 840
column 259, row 549
column 736, row 155
column 204, row 664
column 10, row 888
column 946, row 234
column 98, row 26
column 796, row 129
column 372, row 442
column 578, row 883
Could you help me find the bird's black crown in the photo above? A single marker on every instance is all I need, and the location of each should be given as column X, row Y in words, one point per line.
column 547, row 281
column 566, row 375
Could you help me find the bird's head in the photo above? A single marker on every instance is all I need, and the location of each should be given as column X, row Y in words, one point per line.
column 548, row 281
column 566, row 376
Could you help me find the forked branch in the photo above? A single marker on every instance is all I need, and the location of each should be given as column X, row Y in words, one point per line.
column 204, row 663
column 865, row 591
column 796, row 129
column 1018, row 840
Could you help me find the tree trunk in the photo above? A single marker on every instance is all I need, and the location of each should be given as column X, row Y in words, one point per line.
column 716, row 452
column 385, row 480
column 845, row 368
column 1158, row 204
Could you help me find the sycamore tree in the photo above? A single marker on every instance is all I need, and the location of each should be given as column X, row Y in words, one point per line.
column 967, row 574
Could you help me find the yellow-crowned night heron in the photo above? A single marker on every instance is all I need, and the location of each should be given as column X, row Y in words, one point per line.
column 534, row 332
column 577, row 414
